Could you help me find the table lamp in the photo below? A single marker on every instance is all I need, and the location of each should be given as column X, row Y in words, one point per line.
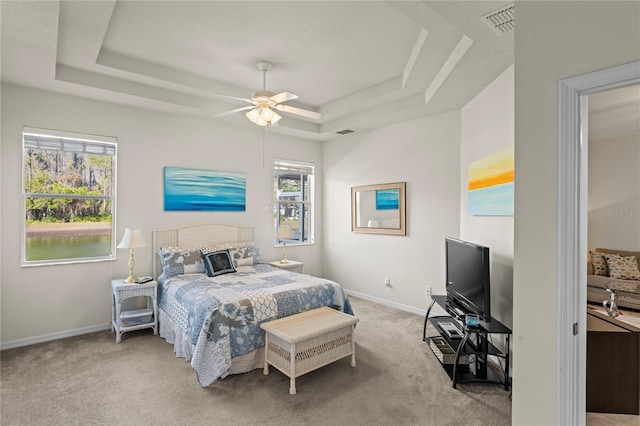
column 132, row 239
column 283, row 233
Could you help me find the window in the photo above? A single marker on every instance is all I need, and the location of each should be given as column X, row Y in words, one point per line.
column 293, row 184
column 68, row 197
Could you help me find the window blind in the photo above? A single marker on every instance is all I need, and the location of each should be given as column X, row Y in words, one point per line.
column 282, row 167
column 57, row 142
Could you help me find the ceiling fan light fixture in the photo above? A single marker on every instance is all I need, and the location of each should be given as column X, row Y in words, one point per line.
column 263, row 116
column 262, row 111
column 261, row 122
column 266, row 114
column 276, row 117
column 252, row 115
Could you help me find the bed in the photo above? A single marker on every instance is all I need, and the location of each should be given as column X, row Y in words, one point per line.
column 214, row 321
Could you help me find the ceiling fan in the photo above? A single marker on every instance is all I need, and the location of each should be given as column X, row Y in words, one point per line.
column 261, row 111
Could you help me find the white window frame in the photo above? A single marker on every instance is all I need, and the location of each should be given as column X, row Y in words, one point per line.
column 75, row 142
column 289, row 167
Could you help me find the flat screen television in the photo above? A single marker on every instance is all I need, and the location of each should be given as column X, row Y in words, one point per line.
column 467, row 273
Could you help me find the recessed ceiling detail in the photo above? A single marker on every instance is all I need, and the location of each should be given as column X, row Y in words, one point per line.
column 414, row 55
column 375, row 63
column 456, row 55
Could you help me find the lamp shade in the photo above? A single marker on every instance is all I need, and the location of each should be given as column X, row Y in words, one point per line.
column 274, row 120
column 284, row 231
column 253, row 114
column 267, row 114
column 263, row 116
column 131, row 239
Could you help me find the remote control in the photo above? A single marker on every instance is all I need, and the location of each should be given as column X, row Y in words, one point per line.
column 450, row 330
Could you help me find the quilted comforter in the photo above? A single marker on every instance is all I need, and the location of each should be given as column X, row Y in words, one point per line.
column 219, row 317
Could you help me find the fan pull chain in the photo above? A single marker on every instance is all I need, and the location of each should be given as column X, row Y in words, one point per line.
column 264, row 149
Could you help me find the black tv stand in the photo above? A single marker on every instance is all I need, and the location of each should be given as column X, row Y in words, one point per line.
column 474, row 343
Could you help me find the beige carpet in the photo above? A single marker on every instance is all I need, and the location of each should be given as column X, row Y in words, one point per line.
column 92, row 380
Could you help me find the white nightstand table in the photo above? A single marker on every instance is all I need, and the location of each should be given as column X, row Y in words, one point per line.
column 291, row 265
column 123, row 321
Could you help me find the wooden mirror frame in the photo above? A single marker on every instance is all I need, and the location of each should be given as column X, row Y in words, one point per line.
column 376, row 225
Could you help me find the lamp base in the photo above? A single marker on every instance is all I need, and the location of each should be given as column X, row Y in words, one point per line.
column 132, row 263
column 284, row 253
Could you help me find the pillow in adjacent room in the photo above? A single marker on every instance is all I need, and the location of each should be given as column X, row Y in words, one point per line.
column 178, row 261
column 217, row 262
column 599, row 263
column 622, row 268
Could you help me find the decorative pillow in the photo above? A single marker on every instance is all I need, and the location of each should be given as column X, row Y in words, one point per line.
column 242, row 253
column 599, row 264
column 178, row 260
column 622, row 268
column 217, row 262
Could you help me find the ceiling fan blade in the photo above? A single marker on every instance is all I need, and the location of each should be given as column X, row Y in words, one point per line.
column 233, row 111
column 299, row 111
column 283, row 97
column 234, row 98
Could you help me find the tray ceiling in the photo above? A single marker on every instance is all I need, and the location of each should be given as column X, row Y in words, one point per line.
column 361, row 64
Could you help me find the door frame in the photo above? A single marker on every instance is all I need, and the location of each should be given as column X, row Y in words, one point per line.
column 572, row 233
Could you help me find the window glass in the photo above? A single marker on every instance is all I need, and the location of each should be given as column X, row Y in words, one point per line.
column 293, row 187
column 68, row 197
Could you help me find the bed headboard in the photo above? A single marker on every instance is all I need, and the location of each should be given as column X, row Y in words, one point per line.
column 196, row 236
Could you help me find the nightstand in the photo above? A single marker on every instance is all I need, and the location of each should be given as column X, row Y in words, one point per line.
column 123, row 321
column 292, row 265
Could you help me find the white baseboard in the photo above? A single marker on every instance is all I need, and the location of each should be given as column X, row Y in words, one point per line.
column 53, row 336
column 396, row 305
column 100, row 327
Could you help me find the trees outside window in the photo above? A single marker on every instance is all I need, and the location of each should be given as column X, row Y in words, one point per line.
column 68, row 197
column 293, row 188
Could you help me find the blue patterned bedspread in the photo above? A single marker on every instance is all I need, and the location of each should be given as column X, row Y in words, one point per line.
column 221, row 315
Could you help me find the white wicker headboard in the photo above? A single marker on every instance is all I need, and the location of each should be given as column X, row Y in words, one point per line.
column 196, row 236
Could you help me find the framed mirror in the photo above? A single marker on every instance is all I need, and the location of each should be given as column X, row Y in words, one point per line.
column 378, row 209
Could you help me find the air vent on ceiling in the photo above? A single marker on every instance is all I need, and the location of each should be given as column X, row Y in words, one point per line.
column 501, row 21
column 345, row 132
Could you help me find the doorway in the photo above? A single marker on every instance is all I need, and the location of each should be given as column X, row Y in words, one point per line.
column 572, row 232
column 613, row 200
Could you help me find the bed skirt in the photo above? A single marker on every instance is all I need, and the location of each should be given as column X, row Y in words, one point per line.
column 184, row 349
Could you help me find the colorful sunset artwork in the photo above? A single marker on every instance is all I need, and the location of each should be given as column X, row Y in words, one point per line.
column 204, row 190
column 491, row 185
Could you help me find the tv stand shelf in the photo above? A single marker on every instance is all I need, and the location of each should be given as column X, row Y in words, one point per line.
column 474, row 343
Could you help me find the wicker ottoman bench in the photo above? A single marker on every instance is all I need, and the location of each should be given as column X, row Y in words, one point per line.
column 307, row 341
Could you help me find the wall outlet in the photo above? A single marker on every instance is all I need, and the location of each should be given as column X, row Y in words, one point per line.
column 387, row 282
column 427, row 292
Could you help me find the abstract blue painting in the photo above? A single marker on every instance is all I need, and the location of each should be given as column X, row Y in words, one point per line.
column 204, row 190
column 387, row 199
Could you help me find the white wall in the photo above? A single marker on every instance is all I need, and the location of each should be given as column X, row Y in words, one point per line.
column 553, row 40
column 425, row 154
column 487, row 128
column 614, row 194
column 43, row 301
